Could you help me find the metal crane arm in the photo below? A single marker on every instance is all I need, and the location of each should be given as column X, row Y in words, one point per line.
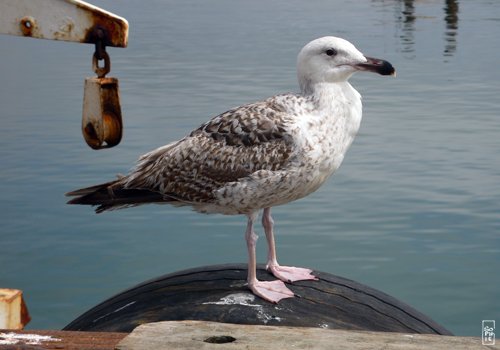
column 67, row 20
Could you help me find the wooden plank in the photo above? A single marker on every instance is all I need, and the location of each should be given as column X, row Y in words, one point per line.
column 219, row 293
column 196, row 335
column 48, row 340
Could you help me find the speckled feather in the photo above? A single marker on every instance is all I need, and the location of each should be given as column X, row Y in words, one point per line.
column 228, row 148
column 257, row 155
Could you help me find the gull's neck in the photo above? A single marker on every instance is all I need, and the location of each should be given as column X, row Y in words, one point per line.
column 327, row 94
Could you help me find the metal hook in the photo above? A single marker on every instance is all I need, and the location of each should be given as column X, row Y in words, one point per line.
column 100, row 54
column 101, row 71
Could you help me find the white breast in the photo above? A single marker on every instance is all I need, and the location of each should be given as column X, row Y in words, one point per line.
column 325, row 135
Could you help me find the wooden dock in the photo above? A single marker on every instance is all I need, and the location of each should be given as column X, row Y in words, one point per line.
column 195, row 335
column 61, row 340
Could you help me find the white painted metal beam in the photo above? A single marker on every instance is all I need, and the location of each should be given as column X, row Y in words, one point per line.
column 67, row 20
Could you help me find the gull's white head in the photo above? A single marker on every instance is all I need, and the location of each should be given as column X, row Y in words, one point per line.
column 333, row 60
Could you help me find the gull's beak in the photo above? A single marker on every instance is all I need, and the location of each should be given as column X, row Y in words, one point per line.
column 377, row 66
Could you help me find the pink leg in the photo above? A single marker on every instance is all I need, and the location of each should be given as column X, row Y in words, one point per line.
column 284, row 273
column 272, row 291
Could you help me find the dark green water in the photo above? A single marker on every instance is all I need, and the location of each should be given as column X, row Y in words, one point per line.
column 414, row 211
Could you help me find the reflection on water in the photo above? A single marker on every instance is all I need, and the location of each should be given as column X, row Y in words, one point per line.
column 406, row 22
column 451, row 19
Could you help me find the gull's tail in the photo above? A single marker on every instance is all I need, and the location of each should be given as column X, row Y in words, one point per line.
column 112, row 195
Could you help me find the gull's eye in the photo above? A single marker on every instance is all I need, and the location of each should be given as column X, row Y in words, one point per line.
column 331, row 52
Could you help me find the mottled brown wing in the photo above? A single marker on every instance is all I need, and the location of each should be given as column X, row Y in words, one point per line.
column 231, row 146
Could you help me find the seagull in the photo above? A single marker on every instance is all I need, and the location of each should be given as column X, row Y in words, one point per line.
column 256, row 156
